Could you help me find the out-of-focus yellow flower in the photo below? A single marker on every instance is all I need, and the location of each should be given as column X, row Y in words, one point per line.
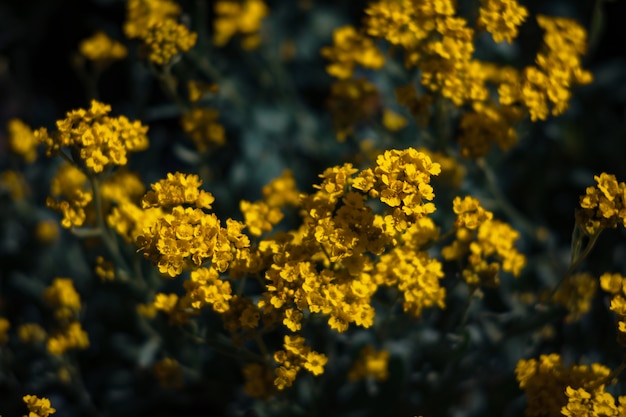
column 370, row 363
column 101, row 48
column 22, row 140
column 239, row 18
column 47, row 231
column 5, row 325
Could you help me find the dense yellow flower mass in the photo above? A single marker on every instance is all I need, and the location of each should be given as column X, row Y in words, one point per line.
column 486, row 244
column 166, row 39
column 96, row 139
column 603, row 206
column 553, row 390
column 501, row 18
column 38, row 407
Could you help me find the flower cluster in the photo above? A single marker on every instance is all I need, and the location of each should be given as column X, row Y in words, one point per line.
column 441, row 45
column 38, row 407
column 203, row 128
column 62, row 296
column 293, row 358
column 96, row 139
column 167, row 39
column 545, row 88
column 487, row 245
column 22, row 140
column 70, row 184
column 371, row 363
column 101, row 48
column 349, row 49
column 186, row 234
column 155, row 23
column 576, row 294
column 501, row 18
column 553, row 390
column 614, row 285
column 239, row 17
column 603, row 206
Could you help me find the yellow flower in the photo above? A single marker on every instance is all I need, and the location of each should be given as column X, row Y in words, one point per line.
column 14, row 183
column 239, row 18
column 370, row 363
column 203, row 128
column 612, row 283
column 104, row 269
column 98, row 140
column 142, row 14
column 22, row 140
column 31, row 333
column 62, row 296
column 349, row 49
column 100, row 47
column 393, row 121
column 259, row 217
column 38, row 407
column 69, row 337
column 47, row 231
column 166, row 39
column 501, row 18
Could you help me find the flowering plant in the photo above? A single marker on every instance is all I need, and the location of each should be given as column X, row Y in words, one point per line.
column 282, row 220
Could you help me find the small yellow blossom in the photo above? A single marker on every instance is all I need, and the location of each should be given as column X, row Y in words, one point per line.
column 70, row 183
column 47, row 231
column 370, row 363
column 22, row 140
column 349, row 49
column 501, row 18
column 98, row 139
column 31, row 333
column 243, row 18
column 142, row 14
column 13, row 183
column 100, row 47
column 603, row 206
column 38, row 407
column 70, row 337
column 393, row 121
column 203, row 128
column 104, row 269
column 62, row 296
column 167, row 39
column 259, row 217
column 282, row 191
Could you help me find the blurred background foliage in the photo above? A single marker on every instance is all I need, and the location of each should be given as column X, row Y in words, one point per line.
column 273, row 105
